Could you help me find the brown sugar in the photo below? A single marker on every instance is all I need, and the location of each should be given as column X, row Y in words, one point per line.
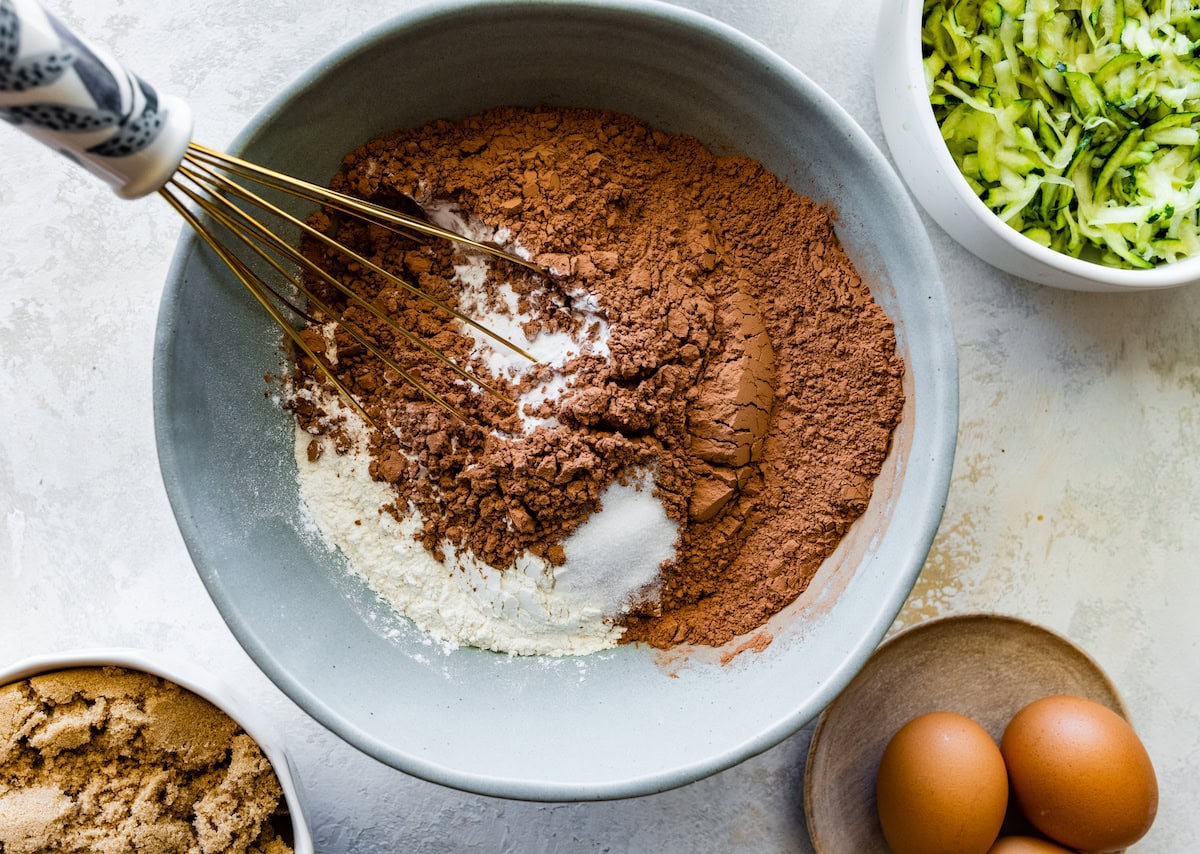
column 748, row 366
column 107, row 759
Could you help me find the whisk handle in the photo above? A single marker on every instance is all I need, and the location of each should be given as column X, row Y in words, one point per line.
column 77, row 99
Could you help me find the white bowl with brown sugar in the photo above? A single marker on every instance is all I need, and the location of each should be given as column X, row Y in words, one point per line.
column 123, row 748
column 753, row 331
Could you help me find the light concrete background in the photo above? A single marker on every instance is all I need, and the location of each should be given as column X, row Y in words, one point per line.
column 1075, row 501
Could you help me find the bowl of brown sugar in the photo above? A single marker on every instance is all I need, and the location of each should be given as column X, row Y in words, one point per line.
column 716, row 480
column 122, row 749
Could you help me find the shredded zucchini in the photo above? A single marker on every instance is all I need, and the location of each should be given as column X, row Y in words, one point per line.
column 1076, row 121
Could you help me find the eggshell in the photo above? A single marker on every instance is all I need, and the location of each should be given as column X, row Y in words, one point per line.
column 1080, row 774
column 1026, row 845
column 941, row 787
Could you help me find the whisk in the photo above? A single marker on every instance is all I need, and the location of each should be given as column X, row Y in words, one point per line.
column 76, row 98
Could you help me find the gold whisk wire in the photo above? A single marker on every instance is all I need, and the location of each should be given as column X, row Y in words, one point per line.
column 198, row 180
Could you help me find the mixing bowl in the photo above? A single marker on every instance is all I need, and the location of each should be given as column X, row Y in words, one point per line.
column 924, row 161
column 199, row 682
column 625, row 722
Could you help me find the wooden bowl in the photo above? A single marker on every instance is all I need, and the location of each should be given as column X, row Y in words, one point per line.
column 984, row 666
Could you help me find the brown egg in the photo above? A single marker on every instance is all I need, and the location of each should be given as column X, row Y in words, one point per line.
column 1080, row 774
column 1026, row 845
column 941, row 787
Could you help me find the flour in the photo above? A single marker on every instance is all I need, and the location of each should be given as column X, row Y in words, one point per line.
column 530, row 608
column 500, row 313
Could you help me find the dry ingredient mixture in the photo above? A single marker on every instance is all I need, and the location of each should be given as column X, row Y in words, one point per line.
column 115, row 760
column 705, row 348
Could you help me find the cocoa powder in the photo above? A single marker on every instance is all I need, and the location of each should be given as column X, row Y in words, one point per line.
column 748, row 366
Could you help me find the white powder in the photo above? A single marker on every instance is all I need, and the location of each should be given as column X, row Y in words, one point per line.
column 528, row 609
column 554, row 350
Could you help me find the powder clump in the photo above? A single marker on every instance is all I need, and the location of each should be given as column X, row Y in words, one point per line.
column 723, row 343
column 114, row 760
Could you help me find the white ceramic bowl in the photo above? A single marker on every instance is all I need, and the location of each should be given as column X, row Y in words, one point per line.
column 934, row 178
column 625, row 722
column 201, row 683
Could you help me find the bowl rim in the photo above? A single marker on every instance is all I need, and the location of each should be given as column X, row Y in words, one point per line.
column 940, row 425
column 200, row 682
column 1182, row 272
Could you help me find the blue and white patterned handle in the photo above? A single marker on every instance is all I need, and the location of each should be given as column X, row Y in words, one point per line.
column 77, row 99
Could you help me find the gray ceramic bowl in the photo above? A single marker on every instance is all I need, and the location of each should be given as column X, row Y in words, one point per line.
column 615, row 724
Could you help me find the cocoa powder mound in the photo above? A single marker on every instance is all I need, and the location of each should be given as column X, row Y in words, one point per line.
column 748, row 366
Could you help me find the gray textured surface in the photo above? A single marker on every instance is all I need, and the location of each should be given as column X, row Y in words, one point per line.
column 1073, row 502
